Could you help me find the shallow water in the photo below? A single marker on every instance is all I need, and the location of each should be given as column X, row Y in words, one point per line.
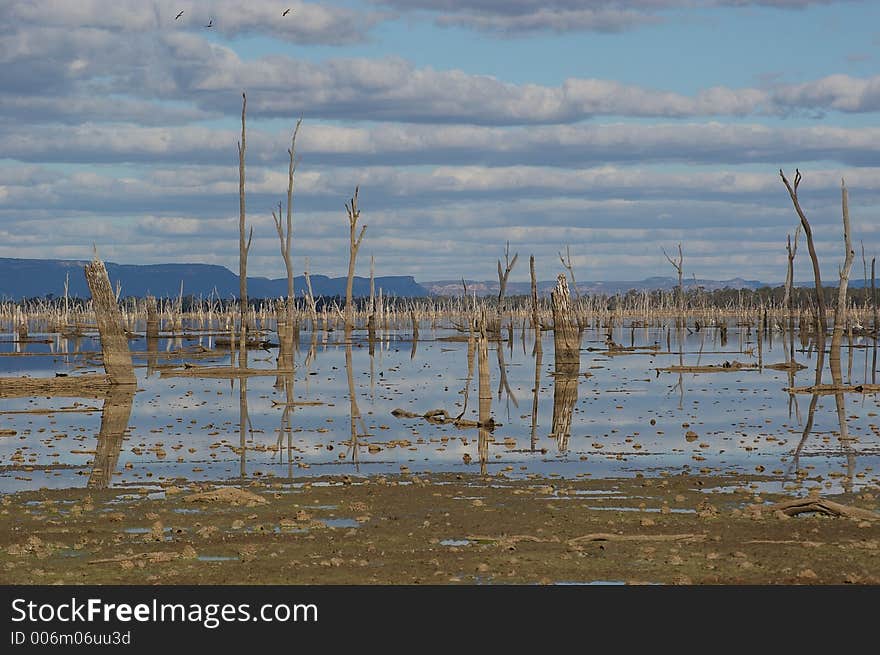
column 627, row 418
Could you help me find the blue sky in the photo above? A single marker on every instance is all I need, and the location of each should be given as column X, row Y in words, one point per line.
column 617, row 127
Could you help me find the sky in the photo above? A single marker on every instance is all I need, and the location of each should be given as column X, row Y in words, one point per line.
column 616, row 128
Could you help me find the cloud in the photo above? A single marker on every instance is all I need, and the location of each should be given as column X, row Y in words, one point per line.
column 322, row 144
column 59, row 73
column 307, row 23
column 550, row 20
column 842, row 93
column 522, row 18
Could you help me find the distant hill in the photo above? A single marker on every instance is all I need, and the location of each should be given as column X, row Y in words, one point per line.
column 490, row 287
column 31, row 278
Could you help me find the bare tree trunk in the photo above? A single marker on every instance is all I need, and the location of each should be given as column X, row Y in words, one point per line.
column 679, row 269
column 310, row 299
column 285, row 234
column 354, row 244
column 565, row 336
column 535, row 322
column 808, row 232
column 840, row 310
column 874, row 296
column 244, row 245
column 503, row 276
column 114, row 343
column 152, row 318
column 566, row 262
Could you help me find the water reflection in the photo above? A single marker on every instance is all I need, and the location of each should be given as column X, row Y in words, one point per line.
column 115, row 416
column 486, row 424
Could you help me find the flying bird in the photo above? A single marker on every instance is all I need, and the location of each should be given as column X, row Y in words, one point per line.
column 286, row 11
column 210, row 23
column 178, row 15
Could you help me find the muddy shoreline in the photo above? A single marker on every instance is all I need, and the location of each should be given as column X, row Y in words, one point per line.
column 436, row 529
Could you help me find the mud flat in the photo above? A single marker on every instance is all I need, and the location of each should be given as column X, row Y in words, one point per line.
column 440, row 529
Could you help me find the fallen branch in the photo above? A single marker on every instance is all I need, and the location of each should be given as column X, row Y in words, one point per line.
column 818, row 505
column 712, row 368
column 193, row 371
column 91, row 385
column 610, row 536
column 830, row 389
column 442, row 417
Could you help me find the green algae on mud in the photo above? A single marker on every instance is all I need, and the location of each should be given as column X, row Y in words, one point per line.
column 438, row 529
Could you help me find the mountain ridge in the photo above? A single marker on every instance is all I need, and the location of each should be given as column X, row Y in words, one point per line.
column 37, row 278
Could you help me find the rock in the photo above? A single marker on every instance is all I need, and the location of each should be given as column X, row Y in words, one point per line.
column 227, row 495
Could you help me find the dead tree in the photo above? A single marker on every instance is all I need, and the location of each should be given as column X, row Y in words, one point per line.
column 678, row 269
column 503, row 276
column 244, row 245
column 152, row 319
column 789, row 274
column 808, row 232
column 788, row 301
column 566, row 340
column 844, row 271
column 874, row 295
column 354, row 213
column 285, row 233
column 566, row 262
column 536, row 325
column 114, row 342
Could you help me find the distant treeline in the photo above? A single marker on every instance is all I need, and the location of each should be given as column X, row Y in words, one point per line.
column 802, row 298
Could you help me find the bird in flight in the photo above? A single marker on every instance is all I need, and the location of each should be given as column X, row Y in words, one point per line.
column 286, row 11
column 178, row 15
column 210, row 23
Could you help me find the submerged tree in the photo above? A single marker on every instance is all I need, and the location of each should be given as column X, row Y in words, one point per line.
column 808, row 233
column 354, row 213
column 244, row 245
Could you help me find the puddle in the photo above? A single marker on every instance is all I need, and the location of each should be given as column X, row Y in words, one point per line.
column 340, row 523
column 455, row 542
column 216, row 558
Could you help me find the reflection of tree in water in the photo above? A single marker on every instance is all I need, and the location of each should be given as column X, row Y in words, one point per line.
column 115, row 416
column 566, row 364
column 539, row 352
column 839, row 401
column 355, row 412
column 503, row 385
column 565, row 394
column 485, row 395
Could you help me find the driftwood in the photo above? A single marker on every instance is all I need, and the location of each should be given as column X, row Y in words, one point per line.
column 442, row 417
column 510, row 540
column 786, row 366
column 820, row 506
column 830, row 389
column 193, row 371
column 711, row 368
column 610, row 536
column 90, row 385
